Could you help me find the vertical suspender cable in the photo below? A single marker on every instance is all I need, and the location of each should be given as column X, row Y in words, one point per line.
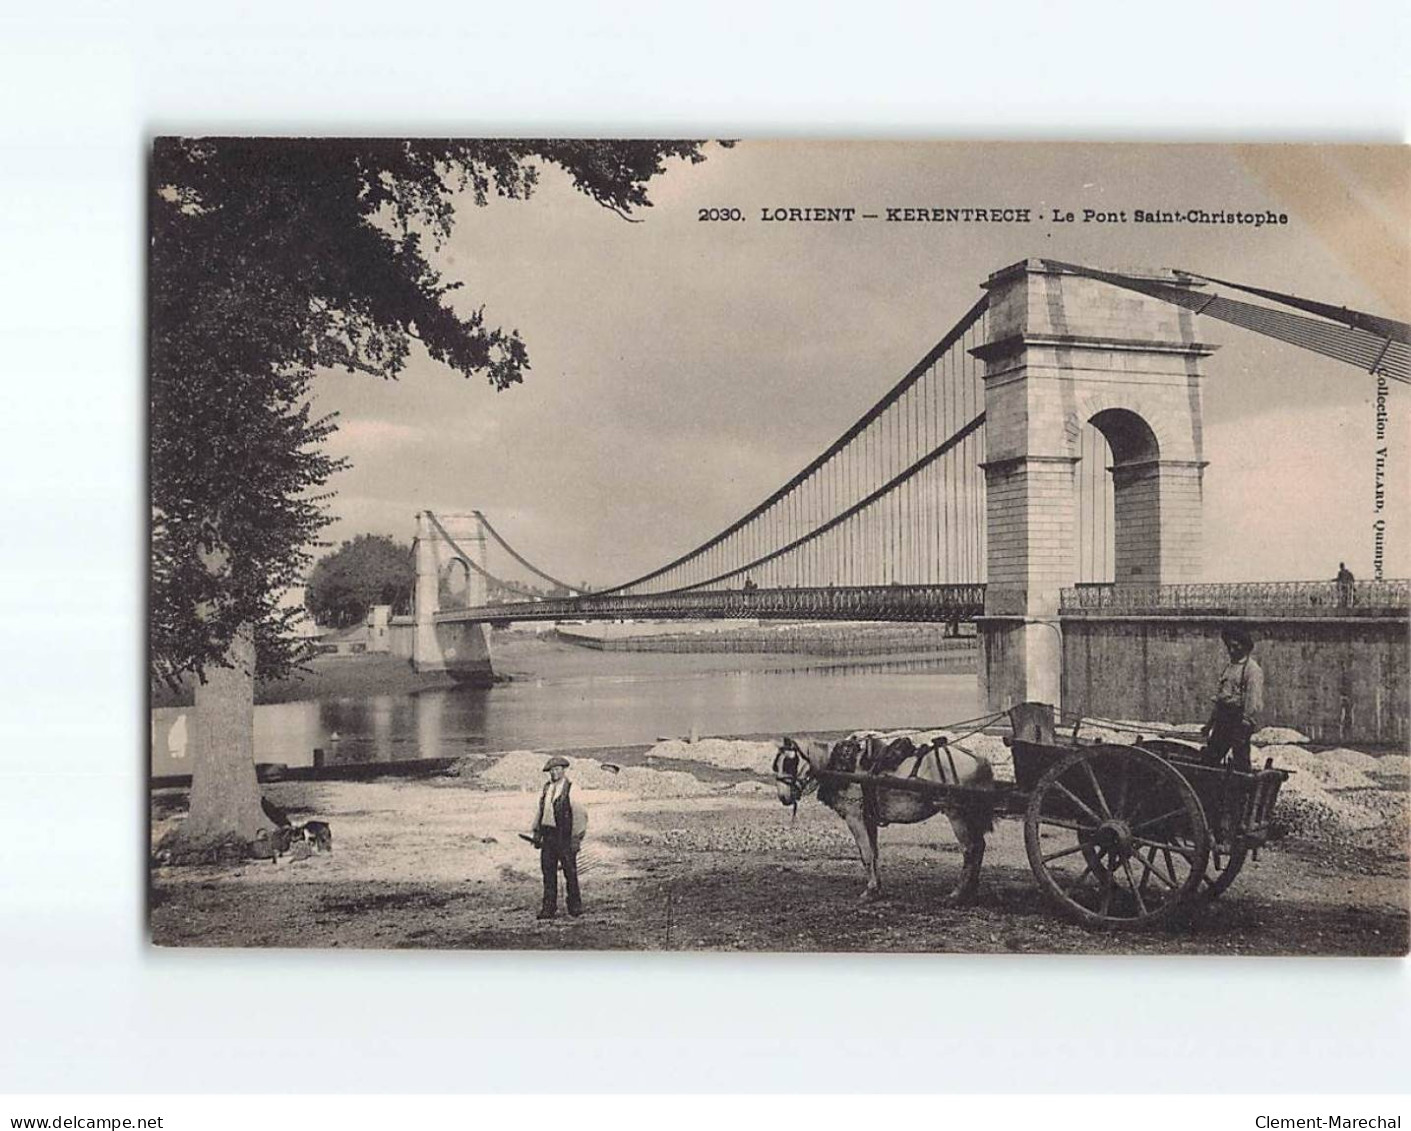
column 964, row 392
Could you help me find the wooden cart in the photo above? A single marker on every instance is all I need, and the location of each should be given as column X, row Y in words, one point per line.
column 1121, row 835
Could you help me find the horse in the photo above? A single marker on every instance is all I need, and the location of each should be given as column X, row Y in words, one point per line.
column 866, row 807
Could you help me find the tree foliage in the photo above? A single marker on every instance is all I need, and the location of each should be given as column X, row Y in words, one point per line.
column 370, row 570
column 270, row 260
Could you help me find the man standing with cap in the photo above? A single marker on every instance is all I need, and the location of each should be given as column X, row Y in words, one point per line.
column 1239, row 700
column 558, row 831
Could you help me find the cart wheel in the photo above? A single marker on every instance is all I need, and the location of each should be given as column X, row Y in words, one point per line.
column 1224, row 866
column 1116, row 837
column 1225, row 862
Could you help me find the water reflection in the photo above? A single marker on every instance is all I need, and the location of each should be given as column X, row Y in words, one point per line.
column 592, row 710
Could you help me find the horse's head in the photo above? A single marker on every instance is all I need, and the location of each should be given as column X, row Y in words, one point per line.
column 793, row 772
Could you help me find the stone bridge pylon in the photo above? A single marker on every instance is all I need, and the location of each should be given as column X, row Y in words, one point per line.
column 459, row 648
column 1064, row 350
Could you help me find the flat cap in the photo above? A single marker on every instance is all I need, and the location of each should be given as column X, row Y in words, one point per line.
column 1235, row 634
column 556, row 760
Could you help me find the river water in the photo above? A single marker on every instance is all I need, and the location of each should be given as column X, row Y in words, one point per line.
column 600, row 699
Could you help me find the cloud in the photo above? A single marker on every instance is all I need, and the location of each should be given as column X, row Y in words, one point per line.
column 376, row 434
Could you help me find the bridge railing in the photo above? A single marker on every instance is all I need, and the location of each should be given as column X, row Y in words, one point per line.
column 1244, row 598
column 873, row 602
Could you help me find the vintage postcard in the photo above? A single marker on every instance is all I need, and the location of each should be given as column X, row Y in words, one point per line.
column 779, row 546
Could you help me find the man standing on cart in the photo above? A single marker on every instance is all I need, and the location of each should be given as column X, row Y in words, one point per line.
column 1239, row 701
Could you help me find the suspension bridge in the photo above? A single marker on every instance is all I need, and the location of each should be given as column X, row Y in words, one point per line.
column 1042, row 461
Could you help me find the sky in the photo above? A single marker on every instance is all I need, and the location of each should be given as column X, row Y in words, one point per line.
column 682, row 370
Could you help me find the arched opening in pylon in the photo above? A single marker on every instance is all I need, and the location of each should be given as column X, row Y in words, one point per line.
column 1118, row 494
column 454, row 584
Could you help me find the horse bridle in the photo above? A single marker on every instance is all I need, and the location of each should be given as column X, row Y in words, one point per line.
column 786, row 770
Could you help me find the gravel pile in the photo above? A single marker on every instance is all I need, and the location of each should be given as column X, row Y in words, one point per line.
column 1311, row 811
column 1353, row 759
column 524, row 770
column 1331, row 800
column 1330, row 773
column 1277, row 736
column 1394, row 765
column 725, row 754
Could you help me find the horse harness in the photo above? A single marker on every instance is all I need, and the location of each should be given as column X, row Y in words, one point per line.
column 876, row 762
column 786, row 770
column 892, row 756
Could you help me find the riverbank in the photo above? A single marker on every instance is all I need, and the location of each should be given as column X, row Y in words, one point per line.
column 330, row 677
column 691, row 849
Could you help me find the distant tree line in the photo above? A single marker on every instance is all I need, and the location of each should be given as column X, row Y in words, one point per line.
column 370, row 570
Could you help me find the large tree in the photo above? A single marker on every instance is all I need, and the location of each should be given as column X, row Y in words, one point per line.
column 270, row 260
column 370, row 570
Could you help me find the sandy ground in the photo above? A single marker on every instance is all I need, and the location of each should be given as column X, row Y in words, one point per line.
column 690, row 849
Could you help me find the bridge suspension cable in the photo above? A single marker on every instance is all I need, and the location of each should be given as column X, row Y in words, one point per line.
column 857, row 508
column 897, row 499
column 1371, row 343
column 510, row 550
column 1372, row 323
column 471, row 563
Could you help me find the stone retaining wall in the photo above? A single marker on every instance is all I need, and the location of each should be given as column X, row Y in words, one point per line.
column 1334, row 679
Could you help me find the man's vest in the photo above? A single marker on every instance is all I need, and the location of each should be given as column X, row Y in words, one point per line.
column 563, row 812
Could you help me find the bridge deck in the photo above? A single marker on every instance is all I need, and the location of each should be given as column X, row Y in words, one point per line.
column 874, row 602
column 945, row 603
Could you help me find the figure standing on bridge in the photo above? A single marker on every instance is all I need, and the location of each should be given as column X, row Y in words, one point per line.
column 559, row 828
column 1239, row 701
column 1344, row 580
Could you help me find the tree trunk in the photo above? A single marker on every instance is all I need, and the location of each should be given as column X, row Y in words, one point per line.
column 225, row 812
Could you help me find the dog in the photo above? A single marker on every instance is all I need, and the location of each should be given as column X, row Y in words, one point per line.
column 295, row 841
column 318, row 834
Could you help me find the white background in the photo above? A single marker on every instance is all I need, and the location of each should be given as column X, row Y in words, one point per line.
column 86, row 1005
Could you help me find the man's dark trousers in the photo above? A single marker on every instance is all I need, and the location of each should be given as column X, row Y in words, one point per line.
column 1230, row 735
column 554, row 853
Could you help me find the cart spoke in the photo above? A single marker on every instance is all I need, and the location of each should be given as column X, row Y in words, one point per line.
column 1141, row 903
column 1074, row 826
column 1079, row 802
column 1109, row 882
column 1170, row 865
column 1189, row 856
column 1065, row 852
column 1147, row 870
column 1122, row 791
column 1180, row 811
column 1097, row 789
column 1150, row 870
